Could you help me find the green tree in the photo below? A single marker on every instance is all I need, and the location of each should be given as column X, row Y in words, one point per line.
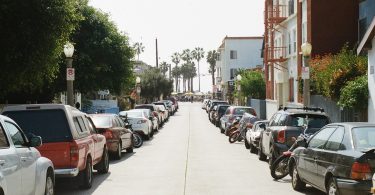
column 253, row 84
column 211, row 60
column 154, row 84
column 355, row 94
column 176, row 73
column 103, row 56
column 198, row 54
column 33, row 34
column 138, row 48
column 176, row 58
column 164, row 66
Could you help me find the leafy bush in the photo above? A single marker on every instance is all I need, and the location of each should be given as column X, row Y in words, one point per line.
column 253, row 84
column 355, row 94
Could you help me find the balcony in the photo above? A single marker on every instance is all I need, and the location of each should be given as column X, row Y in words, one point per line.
column 277, row 14
column 276, row 54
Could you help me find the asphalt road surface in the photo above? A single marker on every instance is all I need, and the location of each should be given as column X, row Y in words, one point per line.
column 188, row 156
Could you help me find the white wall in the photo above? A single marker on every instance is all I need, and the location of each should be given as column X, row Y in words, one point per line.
column 371, row 83
column 248, row 55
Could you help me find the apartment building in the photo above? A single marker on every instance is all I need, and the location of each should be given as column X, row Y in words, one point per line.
column 236, row 53
column 326, row 25
column 366, row 29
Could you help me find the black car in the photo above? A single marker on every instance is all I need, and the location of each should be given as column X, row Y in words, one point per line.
column 218, row 113
column 339, row 159
column 287, row 124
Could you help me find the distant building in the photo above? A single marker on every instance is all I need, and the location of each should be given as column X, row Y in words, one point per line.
column 326, row 25
column 236, row 53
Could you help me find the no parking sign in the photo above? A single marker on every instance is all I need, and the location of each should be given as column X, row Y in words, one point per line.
column 70, row 74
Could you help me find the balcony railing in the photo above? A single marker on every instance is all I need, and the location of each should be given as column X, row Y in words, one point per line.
column 276, row 54
column 278, row 13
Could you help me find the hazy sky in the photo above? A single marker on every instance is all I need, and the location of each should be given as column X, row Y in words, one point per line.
column 184, row 24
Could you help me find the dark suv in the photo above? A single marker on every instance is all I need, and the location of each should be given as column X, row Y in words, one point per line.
column 285, row 125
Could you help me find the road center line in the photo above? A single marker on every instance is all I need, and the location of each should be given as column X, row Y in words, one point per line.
column 187, row 153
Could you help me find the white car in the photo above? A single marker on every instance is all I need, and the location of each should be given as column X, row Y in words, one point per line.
column 204, row 104
column 23, row 170
column 253, row 135
column 140, row 122
column 164, row 113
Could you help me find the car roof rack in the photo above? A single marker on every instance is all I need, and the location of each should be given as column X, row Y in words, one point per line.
column 315, row 109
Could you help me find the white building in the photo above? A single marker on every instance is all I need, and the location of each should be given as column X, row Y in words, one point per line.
column 367, row 44
column 237, row 53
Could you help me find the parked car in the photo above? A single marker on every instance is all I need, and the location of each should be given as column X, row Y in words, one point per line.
column 285, row 125
column 154, row 111
column 233, row 112
column 214, row 103
column 166, row 105
column 253, row 135
column 23, row 169
column 204, row 103
column 71, row 140
column 140, row 122
column 218, row 113
column 339, row 159
column 163, row 112
column 170, row 105
column 113, row 128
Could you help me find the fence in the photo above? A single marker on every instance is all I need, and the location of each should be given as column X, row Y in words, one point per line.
column 259, row 106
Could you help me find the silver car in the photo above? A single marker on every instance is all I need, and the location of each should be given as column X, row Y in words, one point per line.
column 140, row 121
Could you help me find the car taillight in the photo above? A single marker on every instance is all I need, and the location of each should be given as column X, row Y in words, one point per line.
column 142, row 121
column 361, row 171
column 281, row 136
column 74, row 154
column 108, row 134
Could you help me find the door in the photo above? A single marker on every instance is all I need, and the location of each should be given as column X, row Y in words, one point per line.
column 10, row 166
column 267, row 134
column 97, row 148
column 124, row 133
column 308, row 159
column 27, row 158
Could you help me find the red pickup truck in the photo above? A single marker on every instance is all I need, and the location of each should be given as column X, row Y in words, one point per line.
column 70, row 139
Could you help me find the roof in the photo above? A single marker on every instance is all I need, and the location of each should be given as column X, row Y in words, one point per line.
column 365, row 43
column 239, row 38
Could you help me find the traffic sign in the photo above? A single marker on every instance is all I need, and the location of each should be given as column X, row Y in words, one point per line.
column 70, row 74
column 305, row 73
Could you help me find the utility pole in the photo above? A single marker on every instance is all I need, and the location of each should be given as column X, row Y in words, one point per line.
column 157, row 55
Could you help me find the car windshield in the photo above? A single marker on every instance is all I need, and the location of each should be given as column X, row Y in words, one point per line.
column 222, row 109
column 314, row 121
column 133, row 114
column 102, row 121
column 363, row 137
column 241, row 111
column 51, row 125
column 145, row 107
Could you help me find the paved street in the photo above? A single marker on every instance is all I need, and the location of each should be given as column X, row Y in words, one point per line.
column 188, row 156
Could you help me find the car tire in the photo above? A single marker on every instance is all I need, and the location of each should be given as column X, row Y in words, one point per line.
column 297, row 183
column 49, row 188
column 261, row 155
column 103, row 166
column 247, row 145
column 118, row 153
column 129, row 150
column 332, row 187
column 86, row 175
column 253, row 149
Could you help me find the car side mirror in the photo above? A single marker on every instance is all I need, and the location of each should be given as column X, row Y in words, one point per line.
column 263, row 126
column 151, row 118
column 35, row 141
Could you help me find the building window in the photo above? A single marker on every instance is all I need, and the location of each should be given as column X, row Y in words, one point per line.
column 289, row 43
column 233, row 73
column 291, row 89
column 291, row 7
column 233, row 54
column 294, row 41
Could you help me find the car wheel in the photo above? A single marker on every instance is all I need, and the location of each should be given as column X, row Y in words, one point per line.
column 261, row 155
column 118, row 153
column 87, row 175
column 129, row 150
column 332, row 187
column 49, row 189
column 103, row 166
column 253, row 149
column 247, row 145
column 297, row 183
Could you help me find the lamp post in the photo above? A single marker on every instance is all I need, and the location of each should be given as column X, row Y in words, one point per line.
column 239, row 77
column 138, row 87
column 306, row 52
column 68, row 51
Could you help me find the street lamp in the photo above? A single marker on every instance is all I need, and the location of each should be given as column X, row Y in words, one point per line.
column 306, row 52
column 68, row 51
column 138, row 87
column 239, row 77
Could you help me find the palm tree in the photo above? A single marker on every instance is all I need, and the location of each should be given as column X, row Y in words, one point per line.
column 176, row 73
column 138, row 48
column 164, row 67
column 211, row 60
column 185, row 75
column 186, row 55
column 198, row 54
column 176, row 58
